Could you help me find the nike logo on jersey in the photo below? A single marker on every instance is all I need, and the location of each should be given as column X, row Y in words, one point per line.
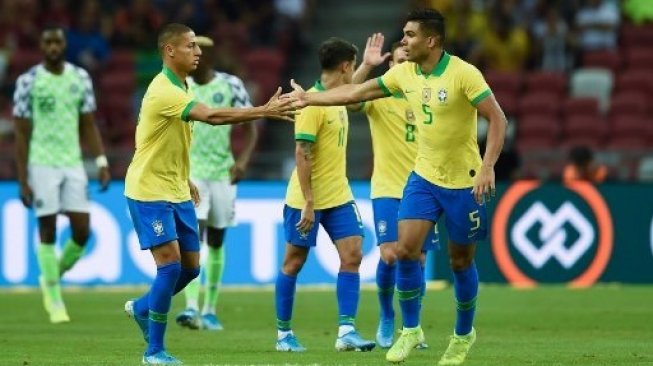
column 408, row 91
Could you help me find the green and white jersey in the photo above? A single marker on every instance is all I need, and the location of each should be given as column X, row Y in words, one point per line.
column 210, row 152
column 53, row 103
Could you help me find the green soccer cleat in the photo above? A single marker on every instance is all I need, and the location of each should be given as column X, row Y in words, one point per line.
column 458, row 349
column 407, row 341
column 58, row 314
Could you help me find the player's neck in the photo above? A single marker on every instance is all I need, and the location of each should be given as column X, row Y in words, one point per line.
column 431, row 62
column 331, row 80
column 54, row 67
column 181, row 75
column 203, row 77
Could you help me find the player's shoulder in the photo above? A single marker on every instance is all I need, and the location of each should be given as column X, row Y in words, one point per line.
column 27, row 78
column 228, row 78
column 78, row 71
column 459, row 65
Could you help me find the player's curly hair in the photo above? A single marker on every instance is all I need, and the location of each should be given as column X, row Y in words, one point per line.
column 335, row 51
column 430, row 21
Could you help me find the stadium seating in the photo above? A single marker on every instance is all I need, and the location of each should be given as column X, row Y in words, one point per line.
column 547, row 82
column 610, row 60
column 591, row 82
column 539, row 104
column 629, row 103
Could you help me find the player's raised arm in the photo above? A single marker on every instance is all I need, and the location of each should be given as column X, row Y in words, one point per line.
column 372, row 57
column 275, row 108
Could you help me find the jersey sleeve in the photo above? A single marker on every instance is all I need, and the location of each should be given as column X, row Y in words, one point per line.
column 240, row 97
column 23, row 96
column 389, row 82
column 308, row 123
column 88, row 100
column 474, row 86
column 173, row 102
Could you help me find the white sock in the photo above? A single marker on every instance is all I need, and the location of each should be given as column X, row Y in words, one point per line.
column 344, row 329
column 281, row 334
column 192, row 304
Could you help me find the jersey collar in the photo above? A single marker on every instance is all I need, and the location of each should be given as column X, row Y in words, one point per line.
column 173, row 78
column 439, row 68
column 318, row 85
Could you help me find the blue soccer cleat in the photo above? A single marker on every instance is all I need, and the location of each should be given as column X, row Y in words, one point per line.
column 352, row 341
column 289, row 343
column 161, row 358
column 211, row 322
column 142, row 322
column 384, row 333
column 189, row 318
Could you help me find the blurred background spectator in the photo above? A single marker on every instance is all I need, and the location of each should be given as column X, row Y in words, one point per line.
column 566, row 72
column 581, row 166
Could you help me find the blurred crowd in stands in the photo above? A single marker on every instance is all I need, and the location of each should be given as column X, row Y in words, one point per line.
column 568, row 73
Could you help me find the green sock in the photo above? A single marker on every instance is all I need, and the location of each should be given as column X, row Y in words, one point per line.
column 47, row 259
column 71, row 254
column 192, row 293
column 214, row 268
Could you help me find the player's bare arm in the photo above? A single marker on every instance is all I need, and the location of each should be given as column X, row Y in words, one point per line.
column 275, row 108
column 341, row 95
column 23, row 130
column 194, row 193
column 237, row 171
column 484, row 185
column 303, row 158
column 91, row 136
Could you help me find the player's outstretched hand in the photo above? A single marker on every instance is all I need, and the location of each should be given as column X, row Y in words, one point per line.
column 484, row 187
column 26, row 195
column 298, row 95
column 105, row 178
column 373, row 48
column 194, row 193
column 280, row 108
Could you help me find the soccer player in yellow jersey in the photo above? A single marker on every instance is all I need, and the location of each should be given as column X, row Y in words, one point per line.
column 394, row 141
column 450, row 177
column 319, row 193
column 159, row 193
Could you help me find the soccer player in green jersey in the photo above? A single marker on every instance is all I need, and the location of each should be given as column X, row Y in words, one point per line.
column 215, row 173
column 53, row 109
column 160, row 195
column 449, row 176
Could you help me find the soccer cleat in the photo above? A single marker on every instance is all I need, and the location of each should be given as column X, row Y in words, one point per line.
column 384, row 333
column 142, row 322
column 352, row 341
column 406, row 342
column 289, row 343
column 458, row 349
column 189, row 318
column 161, row 358
column 58, row 314
column 211, row 322
column 422, row 346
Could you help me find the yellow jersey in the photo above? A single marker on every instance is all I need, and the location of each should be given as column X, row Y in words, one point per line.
column 394, row 142
column 160, row 168
column 445, row 106
column 327, row 128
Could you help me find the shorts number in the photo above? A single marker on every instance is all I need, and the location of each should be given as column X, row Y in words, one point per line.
column 427, row 110
column 475, row 220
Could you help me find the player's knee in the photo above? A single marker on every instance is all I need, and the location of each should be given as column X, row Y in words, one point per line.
column 81, row 236
column 351, row 260
column 404, row 253
column 292, row 266
column 47, row 234
column 460, row 263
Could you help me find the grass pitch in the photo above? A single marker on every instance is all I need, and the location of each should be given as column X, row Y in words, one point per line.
column 607, row 325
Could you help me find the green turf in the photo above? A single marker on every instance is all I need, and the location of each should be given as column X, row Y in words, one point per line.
column 549, row 326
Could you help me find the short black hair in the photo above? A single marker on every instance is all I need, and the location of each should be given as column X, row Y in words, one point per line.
column 52, row 28
column 334, row 51
column 430, row 20
column 170, row 31
column 581, row 155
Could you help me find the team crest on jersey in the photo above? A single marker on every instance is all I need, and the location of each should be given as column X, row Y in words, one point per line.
column 342, row 116
column 410, row 116
column 442, row 95
column 218, row 98
column 382, row 226
column 157, row 226
column 426, row 95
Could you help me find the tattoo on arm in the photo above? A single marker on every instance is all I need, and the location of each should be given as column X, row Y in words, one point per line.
column 306, row 147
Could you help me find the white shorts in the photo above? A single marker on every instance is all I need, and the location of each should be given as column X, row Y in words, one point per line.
column 58, row 189
column 217, row 204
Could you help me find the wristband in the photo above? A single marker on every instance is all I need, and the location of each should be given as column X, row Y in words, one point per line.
column 102, row 162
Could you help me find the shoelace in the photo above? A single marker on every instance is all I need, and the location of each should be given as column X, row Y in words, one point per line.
column 456, row 345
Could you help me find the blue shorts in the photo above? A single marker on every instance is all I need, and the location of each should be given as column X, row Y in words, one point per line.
column 158, row 222
column 466, row 220
column 339, row 222
column 386, row 210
